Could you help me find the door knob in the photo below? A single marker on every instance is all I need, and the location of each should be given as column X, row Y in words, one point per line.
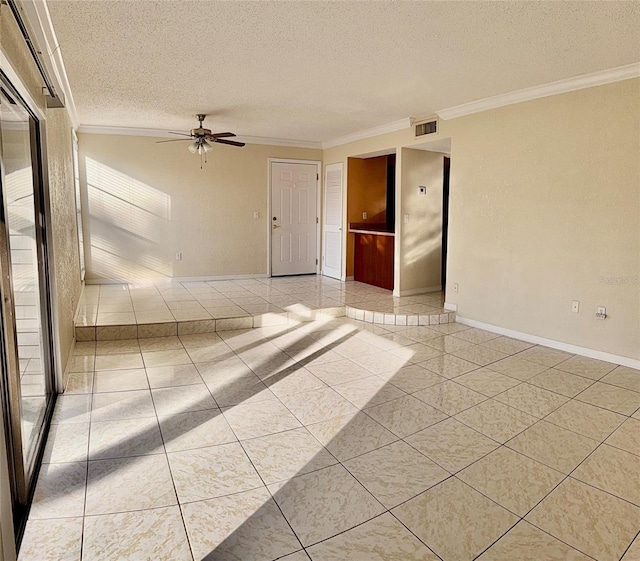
column 274, row 226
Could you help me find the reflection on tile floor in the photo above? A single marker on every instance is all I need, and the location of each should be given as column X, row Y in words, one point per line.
column 339, row 440
column 165, row 301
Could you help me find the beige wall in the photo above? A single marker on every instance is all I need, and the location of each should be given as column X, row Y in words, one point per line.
column 386, row 143
column 366, row 192
column 421, row 238
column 545, row 209
column 144, row 202
column 63, row 226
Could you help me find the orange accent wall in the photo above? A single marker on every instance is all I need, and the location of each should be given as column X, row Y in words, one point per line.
column 366, row 192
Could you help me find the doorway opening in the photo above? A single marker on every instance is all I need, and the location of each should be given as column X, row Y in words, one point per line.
column 445, row 218
column 371, row 200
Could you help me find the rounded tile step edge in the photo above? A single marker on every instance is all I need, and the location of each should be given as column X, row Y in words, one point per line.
column 383, row 318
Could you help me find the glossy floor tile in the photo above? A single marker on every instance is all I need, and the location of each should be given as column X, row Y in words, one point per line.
column 153, row 305
column 333, row 440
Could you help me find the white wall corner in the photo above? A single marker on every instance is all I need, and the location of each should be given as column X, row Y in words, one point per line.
column 575, row 349
column 561, row 86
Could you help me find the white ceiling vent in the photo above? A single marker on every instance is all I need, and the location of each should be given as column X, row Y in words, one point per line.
column 427, row 127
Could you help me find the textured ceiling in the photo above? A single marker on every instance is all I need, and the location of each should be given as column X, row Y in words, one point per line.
column 319, row 70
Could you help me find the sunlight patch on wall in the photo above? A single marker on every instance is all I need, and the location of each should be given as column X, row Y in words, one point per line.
column 128, row 226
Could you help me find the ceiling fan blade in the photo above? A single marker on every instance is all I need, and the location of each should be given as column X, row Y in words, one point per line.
column 229, row 142
column 172, row 140
column 180, row 133
column 221, row 134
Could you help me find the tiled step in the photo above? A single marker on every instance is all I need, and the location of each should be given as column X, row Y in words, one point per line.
column 164, row 309
column 173, row 328
column 386, row 318
column 169, row 329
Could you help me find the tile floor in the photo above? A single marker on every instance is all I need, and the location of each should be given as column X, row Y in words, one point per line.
column 339, row 440
column 166, row 302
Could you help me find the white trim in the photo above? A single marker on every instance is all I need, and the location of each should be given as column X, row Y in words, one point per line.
column 123, row 131
column 450, row 307
column 368, row 133
column 545, row 90
column 161, row 280
column 162, row 133
column 37, row 14
column 16, row 82
column 584, row 351
column 318, row 165
column 425, row 290
column 268, row 141
column 340, row 271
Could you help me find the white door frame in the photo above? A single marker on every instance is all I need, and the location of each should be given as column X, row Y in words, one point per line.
column 343, row 216
column 318, row 165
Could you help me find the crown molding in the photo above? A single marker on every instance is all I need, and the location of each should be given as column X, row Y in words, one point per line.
column 561, row 86
column 162, row 133
column 280, row 142
column 123, row 131
column 368, row 133
column 37, row 14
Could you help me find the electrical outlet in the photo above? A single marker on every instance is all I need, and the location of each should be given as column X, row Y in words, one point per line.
column 179, row 256
column 455, row 287
column 364, row 216
column 256, row 214
column 601, row 312
column 575, row 306
column 406, row 219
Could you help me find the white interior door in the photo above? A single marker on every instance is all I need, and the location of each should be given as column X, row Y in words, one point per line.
column 294, row 190
column 332, row 236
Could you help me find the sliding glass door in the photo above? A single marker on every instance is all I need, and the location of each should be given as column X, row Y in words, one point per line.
column 27, row 382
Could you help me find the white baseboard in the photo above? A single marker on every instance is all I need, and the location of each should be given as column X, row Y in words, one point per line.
column 423, row 290
column 450, row 307
column 584, row 351
column 161, row 280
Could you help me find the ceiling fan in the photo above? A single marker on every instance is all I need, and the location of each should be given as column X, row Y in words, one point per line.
column 201, row 138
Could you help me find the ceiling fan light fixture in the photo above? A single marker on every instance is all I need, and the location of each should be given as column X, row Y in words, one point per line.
column 200, row 146
column 204, row 145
